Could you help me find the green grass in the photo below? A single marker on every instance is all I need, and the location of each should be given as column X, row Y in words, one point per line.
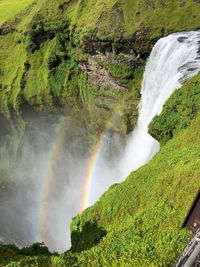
column 11, row 64
column 143, row 215
column 160, row 16
column 178, row 111
column 10, row 8
column 137, row 15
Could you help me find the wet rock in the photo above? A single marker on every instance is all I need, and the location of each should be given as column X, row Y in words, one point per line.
column 182, row 39
column 140, row 44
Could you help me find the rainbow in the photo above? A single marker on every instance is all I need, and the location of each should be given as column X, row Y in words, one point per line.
column 94, row 159
column 90, row 171
column 47, row 178
column 48, row 181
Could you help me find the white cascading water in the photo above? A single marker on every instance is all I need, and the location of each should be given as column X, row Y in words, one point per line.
column 173, row 60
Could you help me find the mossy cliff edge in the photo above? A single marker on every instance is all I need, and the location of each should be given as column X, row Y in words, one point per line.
column 86, row 59
column 86, row 55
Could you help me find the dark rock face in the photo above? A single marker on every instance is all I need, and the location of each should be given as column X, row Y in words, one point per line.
column 37, row 38
column 101, row 55
column 181, row 39
column 140, row 45
column 196, row 1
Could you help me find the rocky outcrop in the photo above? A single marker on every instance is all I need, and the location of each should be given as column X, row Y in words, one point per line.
column 99, row 76
column 139, row 45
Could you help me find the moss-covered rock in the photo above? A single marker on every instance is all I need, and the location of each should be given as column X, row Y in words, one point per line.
column 178, row 112
column 44, row 44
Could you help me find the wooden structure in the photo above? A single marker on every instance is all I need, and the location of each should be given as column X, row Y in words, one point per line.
column 192, row 220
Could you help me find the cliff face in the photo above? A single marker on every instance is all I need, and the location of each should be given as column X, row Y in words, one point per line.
column 83, row 58
column 78, row 51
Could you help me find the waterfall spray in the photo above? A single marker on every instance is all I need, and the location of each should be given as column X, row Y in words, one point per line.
column 173, row 60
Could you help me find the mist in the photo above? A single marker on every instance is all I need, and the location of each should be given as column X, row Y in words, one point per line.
column 47, row 179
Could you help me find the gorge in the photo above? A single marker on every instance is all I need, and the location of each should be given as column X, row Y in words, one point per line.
column 99, row 131
column 174, row 59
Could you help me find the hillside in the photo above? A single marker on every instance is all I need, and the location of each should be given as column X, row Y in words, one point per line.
column 47, row 48
column 85, row 60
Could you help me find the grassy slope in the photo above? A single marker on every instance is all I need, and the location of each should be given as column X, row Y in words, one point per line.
column 26, row 71
column 16, row 52
column 178, row 111
column 143, row 215
column 155, row 15
column 10, row 8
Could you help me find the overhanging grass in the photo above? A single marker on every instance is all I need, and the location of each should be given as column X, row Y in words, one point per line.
column 10, row 8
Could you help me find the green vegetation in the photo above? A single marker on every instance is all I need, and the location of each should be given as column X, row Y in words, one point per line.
column 35, row 255
column 10, row 8
column 43, row 46
column 116, row 18
column 40, row 66
column 44, row 42
column 178, row 111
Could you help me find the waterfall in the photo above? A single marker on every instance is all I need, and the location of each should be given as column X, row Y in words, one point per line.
column 57, row 169
column 173, row 60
